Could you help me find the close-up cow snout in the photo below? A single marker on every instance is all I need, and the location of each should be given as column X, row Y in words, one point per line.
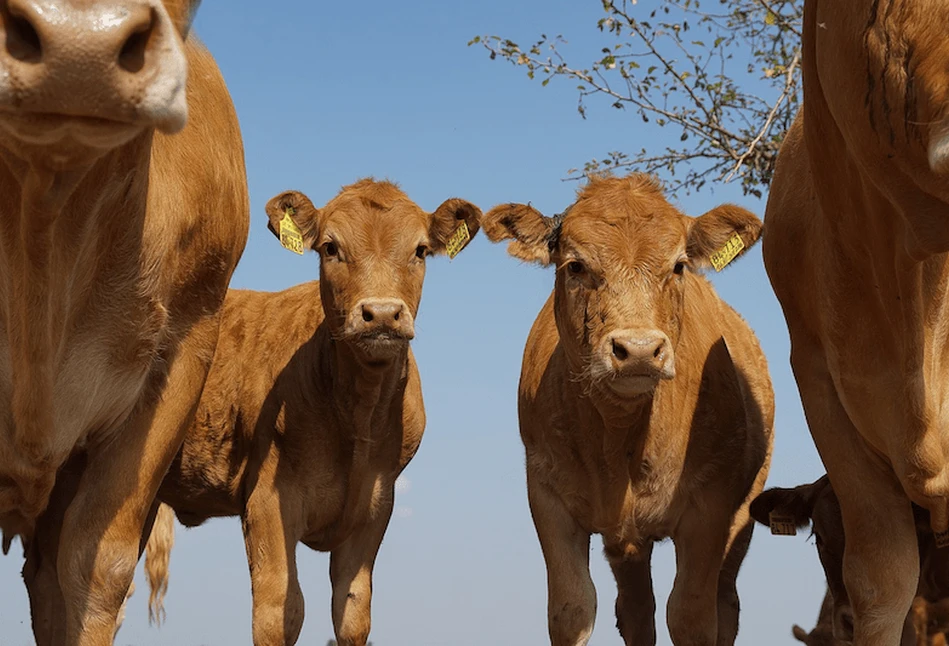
column 118, row 61
column 640, row 353
column 382, row 317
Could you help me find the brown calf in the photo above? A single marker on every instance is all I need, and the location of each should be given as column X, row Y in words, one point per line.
column 117, row 242
column 816, row 504
column 645, row 407
column 856, row 242
column 314, row 406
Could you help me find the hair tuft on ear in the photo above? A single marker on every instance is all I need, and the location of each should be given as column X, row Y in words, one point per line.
column 530, row 232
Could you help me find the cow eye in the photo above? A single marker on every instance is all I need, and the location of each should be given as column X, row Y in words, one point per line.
column 679, row 268
column 575, row 267
column 330, row 250
column 421, row 251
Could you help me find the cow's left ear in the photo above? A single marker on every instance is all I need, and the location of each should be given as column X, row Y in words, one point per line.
column 296, row 206
column 722, row 234
column 453, row 226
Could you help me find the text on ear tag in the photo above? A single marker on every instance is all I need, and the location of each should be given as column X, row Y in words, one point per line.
column 290, row 236
column 727, row 253
column 458, row 240
column 942, row 539
column 782, row 525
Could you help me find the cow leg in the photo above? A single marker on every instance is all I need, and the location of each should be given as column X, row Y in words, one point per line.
column 271, row 554
column 881, row 555
column 571, row 597
column 102, row 529
column 701, row 541
column 351, row 575
column 635, row 600
column 729, row 604
column 47, row 607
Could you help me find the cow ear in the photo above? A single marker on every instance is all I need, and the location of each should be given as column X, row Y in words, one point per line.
column 799, row 633
column 796, row 503
column 453, row 226
column 532, row 234
column 300, row 210
column 719, row 236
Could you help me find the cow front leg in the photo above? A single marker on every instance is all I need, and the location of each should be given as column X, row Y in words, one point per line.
column 571, row 597
column 635, row 600
column 271, row 544
column 881, row 554
column 700, row 543
column 351, row 575
column 103, row 526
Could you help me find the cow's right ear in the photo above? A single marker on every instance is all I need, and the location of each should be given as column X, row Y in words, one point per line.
column 531, row 233
column 796, row 504
column 301, row 211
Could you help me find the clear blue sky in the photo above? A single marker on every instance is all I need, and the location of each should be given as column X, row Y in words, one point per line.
column 331, row 92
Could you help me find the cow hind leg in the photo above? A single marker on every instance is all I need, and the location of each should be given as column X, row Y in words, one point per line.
column 635, row 600
column 881, row 555
column 351, row 575
column 271, row 544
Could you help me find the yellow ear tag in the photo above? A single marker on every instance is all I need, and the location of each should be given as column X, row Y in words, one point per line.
column 781, row 525
column 942, row 539
column 727, row 253
column 290, row 236
column 458, row 240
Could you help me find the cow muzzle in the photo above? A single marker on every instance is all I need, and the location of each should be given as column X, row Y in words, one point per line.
column 380, row 326
column 93, row 72
column 636, row 360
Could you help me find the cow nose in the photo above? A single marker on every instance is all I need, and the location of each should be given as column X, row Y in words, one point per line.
column 383, row 314
column 118, row 59
column 641, row 353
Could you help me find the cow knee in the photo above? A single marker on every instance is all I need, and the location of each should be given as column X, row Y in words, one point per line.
column 692, row 620
column 278, row 624
column 94, row 578
column 571, row 624
column 353, row 618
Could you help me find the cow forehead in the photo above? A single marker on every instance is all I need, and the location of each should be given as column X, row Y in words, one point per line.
column 362, row 221
column 645, row 233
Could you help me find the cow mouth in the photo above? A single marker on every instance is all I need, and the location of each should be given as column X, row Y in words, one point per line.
column 380, row 343
column 627, row 386
column 43, row 129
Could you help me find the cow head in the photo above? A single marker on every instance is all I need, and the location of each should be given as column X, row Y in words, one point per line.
column 80, row 77
column 373, row 242
column 815, row 505
column 623, row 256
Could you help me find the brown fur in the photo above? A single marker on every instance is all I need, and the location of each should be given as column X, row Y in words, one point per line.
column 639, row 445
column 310, row 411
column 116, row 246
column 857, row 231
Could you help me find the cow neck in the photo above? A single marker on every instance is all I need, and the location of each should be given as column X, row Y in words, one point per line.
column 64, row 218
column 362, row 398
column 624, row 421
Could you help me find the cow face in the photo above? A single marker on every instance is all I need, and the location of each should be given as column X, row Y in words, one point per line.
column 815, row 505
column 80, row 77
column 623, row 255
column 373, row 242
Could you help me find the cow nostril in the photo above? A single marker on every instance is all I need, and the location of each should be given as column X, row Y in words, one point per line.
column 23, row 43
column 657, row 352
column 397, row 315
column 619, row 351
column 366, row 315
column 132, row 56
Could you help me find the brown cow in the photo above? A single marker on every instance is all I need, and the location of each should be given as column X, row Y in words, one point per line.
column 823, row 633
column 816, row 504
column 856, row 242
column 645, row 407
column 117, row 242
column 314, row 406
